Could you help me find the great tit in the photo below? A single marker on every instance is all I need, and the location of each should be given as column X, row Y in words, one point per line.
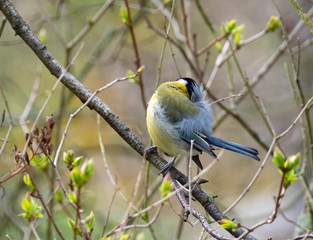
column 178, row 113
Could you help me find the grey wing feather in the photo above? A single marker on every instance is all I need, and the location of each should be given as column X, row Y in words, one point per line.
column 199, row 143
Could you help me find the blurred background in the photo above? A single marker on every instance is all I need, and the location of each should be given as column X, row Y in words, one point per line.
column 107, row 53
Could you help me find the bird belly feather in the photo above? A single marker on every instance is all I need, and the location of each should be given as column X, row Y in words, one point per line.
column 163, row 133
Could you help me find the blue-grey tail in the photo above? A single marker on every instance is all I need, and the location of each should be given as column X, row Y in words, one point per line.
column 235, row 147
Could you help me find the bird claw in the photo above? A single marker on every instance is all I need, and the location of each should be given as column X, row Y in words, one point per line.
column 164, row 170
column 151, row 150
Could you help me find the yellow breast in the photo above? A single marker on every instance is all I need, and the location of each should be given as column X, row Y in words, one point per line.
column 162, row 132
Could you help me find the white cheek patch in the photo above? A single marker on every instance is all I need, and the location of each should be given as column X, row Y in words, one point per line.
column 182, row 81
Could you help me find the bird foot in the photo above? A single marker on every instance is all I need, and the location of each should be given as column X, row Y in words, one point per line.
column 151, row 150
column 164, row 170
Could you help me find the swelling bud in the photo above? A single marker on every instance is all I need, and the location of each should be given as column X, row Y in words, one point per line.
column 272, row 24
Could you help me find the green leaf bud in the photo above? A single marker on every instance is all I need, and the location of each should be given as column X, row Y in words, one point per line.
column 218, row 46
column 228, row 224
column 87, row 170
column 72, row 197
column 140, row 70
column 273, row 24
column 77, row 161
column 124, row 15
column 29, row 182
column 132, row 79
column 279, row 158
column 230, row 26
column 76, row 177
column 290, row 177
column 71, row 223
column 90, row 220
column 41, row 161
column 292, row 162
column 165, row 189
column 58, row 195
column 68, row 158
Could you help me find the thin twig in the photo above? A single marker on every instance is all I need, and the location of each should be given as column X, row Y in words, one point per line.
column 51, row 22
column 6, row 139
column 137, row 61
column 164, row 44
column 108, row 213
column 40, row 197
column 265, row 68
column 106, row 166
column 251, row 93
column 147, row 225
column 241, row 45
column 186, row 23
column 225, row 98
column 275, row 138
column 31, row 99
column 189, row 187
column 205, row 18
column 3, row 22
column 92, row 22
column 174, row 22
column 240, row 120
column 196, row 214
column 211, row 44
column 73, row 115
column 162, row 34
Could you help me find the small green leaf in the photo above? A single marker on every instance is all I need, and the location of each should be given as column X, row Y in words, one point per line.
column 72, row 226
column 89, row 19
column 72, row 197
column 145, row 217
column 165, row 189
column 126, row 236
column 31, row 208
column 230, row 26
column 41, row 161
column 77, row 161
column 26, row 205
column 132, row 79
column 290, row 177
column 218, row 46
column 237, row 34
column 140, row 70
column 28, row 182
column 87, row 170
column 292, row 162
column 279, row 158
column 228, row 224
column 58, row 195
column 75, row 176
column 272, row 24
column 71, row 223
column 68, row 158
column 90, row 221
column 124, row 15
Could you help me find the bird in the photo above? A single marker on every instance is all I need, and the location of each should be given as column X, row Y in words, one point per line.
column 179, row 113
